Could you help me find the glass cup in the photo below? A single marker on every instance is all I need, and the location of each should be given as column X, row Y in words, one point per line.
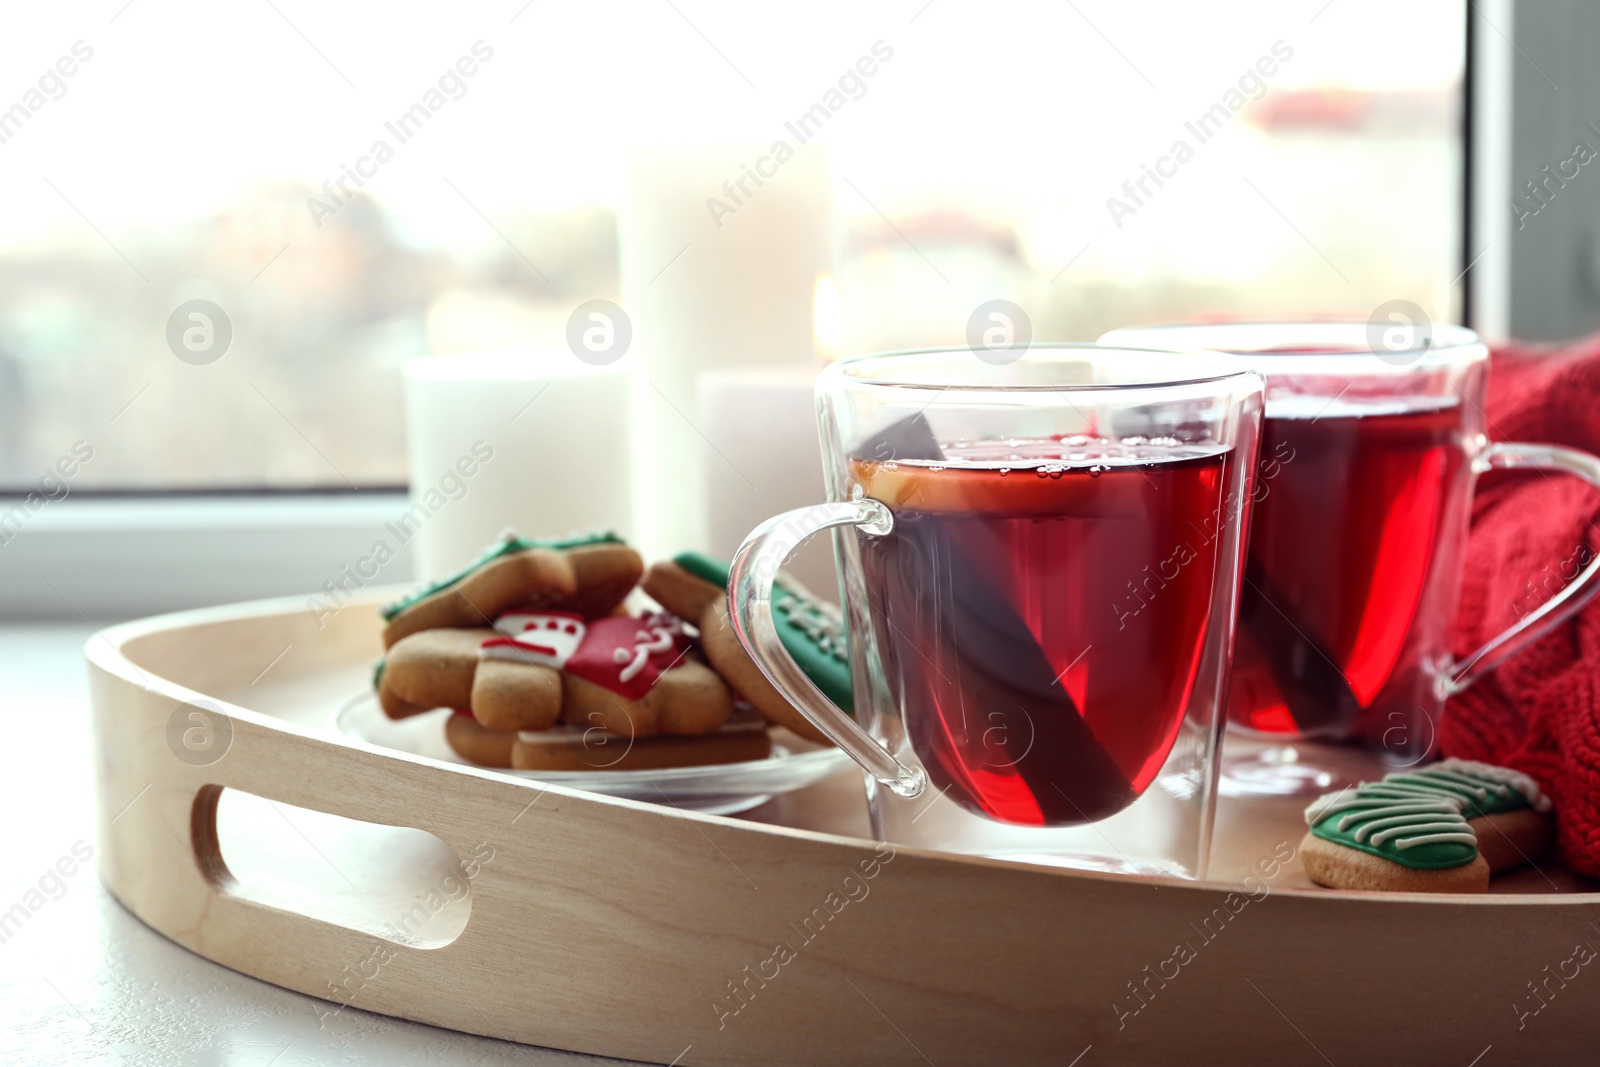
column 1039, row 561
column 1373, row 441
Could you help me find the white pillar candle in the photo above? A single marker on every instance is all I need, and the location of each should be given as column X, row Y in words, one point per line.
column 718, row 272
column 534, row 440
column 767, row 460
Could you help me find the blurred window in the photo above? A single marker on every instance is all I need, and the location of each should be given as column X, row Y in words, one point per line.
column 157, row 155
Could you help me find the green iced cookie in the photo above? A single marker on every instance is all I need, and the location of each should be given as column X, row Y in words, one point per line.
column 504, row 547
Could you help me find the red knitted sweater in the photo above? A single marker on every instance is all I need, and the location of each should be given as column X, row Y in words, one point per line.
column 1539, row 711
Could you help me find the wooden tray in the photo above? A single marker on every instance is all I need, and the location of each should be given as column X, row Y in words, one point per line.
column 633, row 930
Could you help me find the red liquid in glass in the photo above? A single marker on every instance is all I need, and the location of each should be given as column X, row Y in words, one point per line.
column 1041, row 620
column 1345, row 529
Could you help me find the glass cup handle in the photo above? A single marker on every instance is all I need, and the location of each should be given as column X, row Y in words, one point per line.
column 1513, row 456
column 755, row 568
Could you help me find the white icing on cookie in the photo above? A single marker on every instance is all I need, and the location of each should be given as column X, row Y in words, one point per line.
column 655, row 637
column 1500, row 780
column 545, row 639
column 1384, row 812
column 818, row 620
column 1426, row 805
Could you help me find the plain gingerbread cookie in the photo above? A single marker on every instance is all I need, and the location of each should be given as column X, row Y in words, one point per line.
column 476, row 743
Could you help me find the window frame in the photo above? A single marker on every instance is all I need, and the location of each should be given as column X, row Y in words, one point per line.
column 1487, row 122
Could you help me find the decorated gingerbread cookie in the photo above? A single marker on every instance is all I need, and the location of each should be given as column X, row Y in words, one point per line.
column 1443, row 828
column 634, row 677
column 429, row 670
column 1508, row 812
column 586, row 575
column 694, row 586
column 476, row 743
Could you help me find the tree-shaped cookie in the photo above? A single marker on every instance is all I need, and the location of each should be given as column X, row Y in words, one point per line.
column 589, row 575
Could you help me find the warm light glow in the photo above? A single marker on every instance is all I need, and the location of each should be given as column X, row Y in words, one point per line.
column 827, row 319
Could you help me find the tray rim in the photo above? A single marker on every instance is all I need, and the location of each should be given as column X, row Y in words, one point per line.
column 106, row 649
column 567, row 946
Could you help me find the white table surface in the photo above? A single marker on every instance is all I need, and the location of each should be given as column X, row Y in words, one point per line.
column 84, row 982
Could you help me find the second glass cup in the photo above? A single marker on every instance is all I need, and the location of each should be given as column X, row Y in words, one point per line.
column 1040, row 564
column 1370, row 449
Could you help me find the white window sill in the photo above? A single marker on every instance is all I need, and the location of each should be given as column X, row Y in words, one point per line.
column 117, row 558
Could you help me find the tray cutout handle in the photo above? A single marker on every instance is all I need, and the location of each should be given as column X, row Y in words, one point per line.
column 397, row 883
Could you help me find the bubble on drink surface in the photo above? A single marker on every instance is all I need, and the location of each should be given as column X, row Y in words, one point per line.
column 1399, row 332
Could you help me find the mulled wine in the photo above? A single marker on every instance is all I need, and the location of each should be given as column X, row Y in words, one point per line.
column 1041, row 608
column 1350, row 504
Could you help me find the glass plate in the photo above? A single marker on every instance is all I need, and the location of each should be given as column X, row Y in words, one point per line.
column 715, row 789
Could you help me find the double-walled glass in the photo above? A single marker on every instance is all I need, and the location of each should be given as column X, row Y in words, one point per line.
column 1373, row 439
column 1039, row 562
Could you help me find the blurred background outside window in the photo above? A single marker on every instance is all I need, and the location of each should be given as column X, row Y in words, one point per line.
column 993, row 152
